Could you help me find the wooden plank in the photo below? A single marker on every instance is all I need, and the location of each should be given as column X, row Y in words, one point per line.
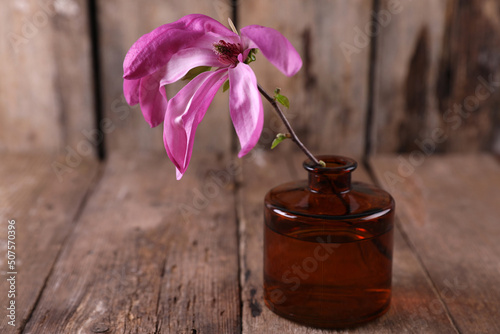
column 47, row 97
column 329, row 95
column 436, row 78
column 449, row 211
column 413, row 295
column 471, row 54
column 406, row 69
column 44, row 210
column 149, row 254
column 121, row 24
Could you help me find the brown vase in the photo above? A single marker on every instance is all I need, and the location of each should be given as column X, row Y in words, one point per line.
column 328, row 247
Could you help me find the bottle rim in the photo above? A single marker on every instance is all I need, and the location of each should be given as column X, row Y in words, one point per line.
column 334, row 164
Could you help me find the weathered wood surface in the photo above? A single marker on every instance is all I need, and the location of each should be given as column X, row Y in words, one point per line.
column 121, row 23
column 44, row 211
column 46, row 98
column 448, row 207
column 413, row 293
column 329, row 95
column 149, row 254
column 431, row 56
column 437, row 76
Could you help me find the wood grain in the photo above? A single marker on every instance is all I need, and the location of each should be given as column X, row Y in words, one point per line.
column 449, row 212
column 44, row 211
column 408, row 51
column 437, row 79
column 413, row 293
column 149, row 254
column 470, row 76
column 329, row 95
column 46, row 80
column 121, row 24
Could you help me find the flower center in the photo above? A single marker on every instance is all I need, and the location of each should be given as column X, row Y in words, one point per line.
column 227, row 52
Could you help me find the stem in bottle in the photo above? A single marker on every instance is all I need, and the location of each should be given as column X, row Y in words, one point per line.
column 287, row 125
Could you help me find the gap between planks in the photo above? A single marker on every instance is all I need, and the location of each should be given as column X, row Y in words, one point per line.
column 93, row 183
column 373, row 177
column 136, row 264
column 45, row 210
column 449, row 215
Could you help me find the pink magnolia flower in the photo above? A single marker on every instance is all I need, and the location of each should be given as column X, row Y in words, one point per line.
column 166, row 55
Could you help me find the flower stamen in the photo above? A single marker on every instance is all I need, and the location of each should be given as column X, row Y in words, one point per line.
column 227, row 52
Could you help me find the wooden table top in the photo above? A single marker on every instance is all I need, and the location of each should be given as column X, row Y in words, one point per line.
column 122, row 247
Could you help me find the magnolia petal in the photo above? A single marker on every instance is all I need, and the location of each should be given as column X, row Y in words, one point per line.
column 184, row 112
column 275, row 47
column 131, row 91
column 154, row 50
column 245, row 106
column 186, row 59
column 153, row 99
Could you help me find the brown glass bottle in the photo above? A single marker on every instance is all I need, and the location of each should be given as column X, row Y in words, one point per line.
column 328, row 247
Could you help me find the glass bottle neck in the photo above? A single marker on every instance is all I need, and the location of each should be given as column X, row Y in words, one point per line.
column 330, row 183
column 332, row 179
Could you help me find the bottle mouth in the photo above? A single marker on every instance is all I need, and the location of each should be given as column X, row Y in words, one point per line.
column 335, row 164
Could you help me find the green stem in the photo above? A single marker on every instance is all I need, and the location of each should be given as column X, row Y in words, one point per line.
column 287, row 124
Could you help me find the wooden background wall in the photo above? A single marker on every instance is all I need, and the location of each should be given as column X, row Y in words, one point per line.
column 430, row 74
